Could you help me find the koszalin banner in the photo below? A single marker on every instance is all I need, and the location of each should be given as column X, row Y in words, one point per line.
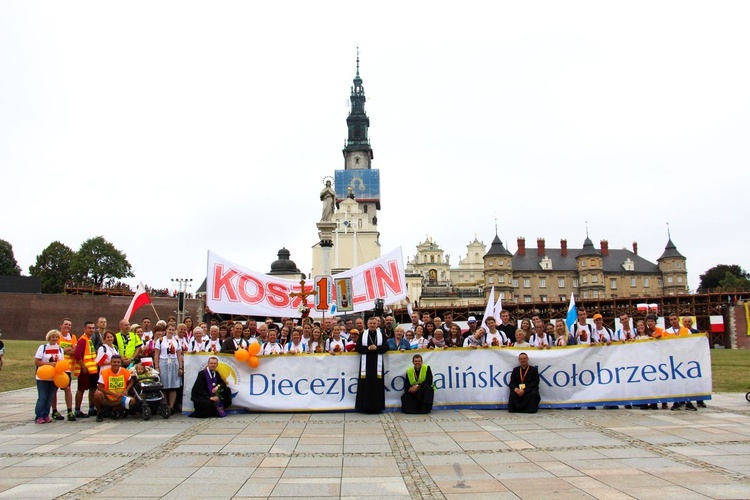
column 233, row 289
column 633, row 373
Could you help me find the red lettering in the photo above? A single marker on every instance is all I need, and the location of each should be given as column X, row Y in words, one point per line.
column 359, row 299
column 223, row 281
column 278, row 295
column 369, row 287
column 383, row 279
column 250, row 297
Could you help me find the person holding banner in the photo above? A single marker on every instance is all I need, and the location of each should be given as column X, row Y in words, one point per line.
column 210, row 394
column 419, row 393
column 371, row 385
column 524, row 387
column 295, row 346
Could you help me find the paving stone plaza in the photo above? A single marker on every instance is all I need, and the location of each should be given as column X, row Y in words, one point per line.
column 448, row 454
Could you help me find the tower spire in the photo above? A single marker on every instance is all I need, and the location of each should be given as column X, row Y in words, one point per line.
column 358, row 124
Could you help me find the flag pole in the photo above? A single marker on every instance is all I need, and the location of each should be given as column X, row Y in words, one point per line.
column 157, row 314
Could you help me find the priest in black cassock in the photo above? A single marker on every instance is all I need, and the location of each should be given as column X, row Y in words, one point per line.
column 524, row 387
column 371, row 387
column 210, row 393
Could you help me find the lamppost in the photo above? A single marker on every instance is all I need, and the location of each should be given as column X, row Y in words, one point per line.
column 182, row 286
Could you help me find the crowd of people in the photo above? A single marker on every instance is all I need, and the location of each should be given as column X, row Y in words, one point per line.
column 106, row 363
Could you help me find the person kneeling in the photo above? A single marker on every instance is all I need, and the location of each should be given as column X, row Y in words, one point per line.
column 112, row 389
column 418, row 396
column 210, row 394
column 524, row 387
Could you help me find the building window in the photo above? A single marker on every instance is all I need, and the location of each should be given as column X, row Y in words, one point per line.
column 596, row 294
column 542, row 282
column 679, row 279
column 526, row 283
column 595, row 279
column 585, row 295
column 563, row 298
column 500, row 262
column 613, row 284
column 515, row 284
column 501, row 279
column 490, row 263
column 660, row 283
column 645, row 282
column 669, row 279
column 575, row 282
column 585, row 280
column 678, row 265
column 632, row 283
column 502, row 295
column 544, row 298
column 527, row 298
column 491, row 280
column 593, row 262
column 560, row 282
column 584, row 263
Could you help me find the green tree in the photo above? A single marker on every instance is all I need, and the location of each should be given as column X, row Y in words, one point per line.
column 734, row 283
column 712, row 278
column 98, row 260
column 53, row 267
column 8, row 263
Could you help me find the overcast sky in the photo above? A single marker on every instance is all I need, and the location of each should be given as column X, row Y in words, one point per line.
column 171, row 128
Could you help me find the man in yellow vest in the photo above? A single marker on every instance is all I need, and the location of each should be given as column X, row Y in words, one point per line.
column 86, row 369
column 418, row 392
column 128, row 344
column 68, row 343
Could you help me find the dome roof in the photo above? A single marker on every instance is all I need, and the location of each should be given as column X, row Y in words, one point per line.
column 283, row 265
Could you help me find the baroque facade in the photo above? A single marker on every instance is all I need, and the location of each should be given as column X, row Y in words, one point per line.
column 542, row 274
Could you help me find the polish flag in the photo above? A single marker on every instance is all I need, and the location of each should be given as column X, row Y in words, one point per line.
column 102, row 358
column 140, row 299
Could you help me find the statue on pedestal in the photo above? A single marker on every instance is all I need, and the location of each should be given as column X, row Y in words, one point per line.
column 328, row 197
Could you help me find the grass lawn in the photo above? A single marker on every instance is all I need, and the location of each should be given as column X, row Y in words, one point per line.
column 18, row 364
column 731, row 368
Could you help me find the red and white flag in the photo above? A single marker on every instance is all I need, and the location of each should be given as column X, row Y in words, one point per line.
column 102, row 358
column 140, row 299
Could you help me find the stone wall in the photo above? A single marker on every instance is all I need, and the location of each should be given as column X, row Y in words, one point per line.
column 30, row 316
column 740, row 326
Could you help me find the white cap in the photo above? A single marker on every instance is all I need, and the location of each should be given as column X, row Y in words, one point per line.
column 472, row 319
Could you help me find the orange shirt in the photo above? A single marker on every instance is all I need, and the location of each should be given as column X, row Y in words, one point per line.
column 115, row 382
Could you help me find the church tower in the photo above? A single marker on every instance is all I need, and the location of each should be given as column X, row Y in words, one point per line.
column 356, row 237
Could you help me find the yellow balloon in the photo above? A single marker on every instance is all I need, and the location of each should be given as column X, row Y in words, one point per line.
column 46, row 372
column 254, row 348
column 253, row 361
column 241, row 355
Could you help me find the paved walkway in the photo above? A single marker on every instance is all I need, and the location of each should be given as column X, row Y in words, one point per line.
column 449, row 454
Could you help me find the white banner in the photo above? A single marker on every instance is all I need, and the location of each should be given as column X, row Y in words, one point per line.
column 233, row 289
column 633, row 373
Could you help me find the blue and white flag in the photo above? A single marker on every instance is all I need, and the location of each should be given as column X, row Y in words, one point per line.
column 572, row 312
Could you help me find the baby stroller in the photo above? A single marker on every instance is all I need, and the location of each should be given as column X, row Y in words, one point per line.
column 150, row 398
